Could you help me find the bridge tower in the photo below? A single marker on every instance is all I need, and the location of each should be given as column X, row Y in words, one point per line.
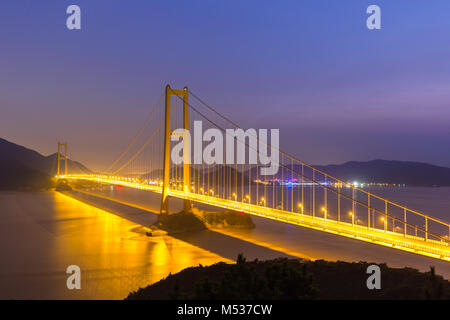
column 167, row 134
column 62, row 157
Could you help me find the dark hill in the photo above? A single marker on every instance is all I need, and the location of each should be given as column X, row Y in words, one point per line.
column 381, row 171
column 14, row 153
column 16, row 176
column 394, row 172
column 294, row 279
column 375, row 171
column 23, row 168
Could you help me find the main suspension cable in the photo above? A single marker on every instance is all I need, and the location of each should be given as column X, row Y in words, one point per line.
column 141, row 149
column 131, row 143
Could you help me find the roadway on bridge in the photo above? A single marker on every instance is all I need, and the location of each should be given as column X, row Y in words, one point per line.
column 271, row 239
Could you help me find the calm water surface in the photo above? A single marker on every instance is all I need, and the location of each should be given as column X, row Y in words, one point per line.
column 42, row 233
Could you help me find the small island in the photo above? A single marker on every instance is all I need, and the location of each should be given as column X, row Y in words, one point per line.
column 198, row 219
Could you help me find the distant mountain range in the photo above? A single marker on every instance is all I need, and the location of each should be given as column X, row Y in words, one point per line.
column 389, row 171
column 23, row 168
column 383, row 171
column 375, row 171
column 379, row 171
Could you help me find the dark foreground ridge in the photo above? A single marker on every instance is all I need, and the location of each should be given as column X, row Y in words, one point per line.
column 294, row 279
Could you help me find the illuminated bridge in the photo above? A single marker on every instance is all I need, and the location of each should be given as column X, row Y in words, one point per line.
column 297, row 194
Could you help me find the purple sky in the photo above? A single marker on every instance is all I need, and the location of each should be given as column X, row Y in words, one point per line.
column 336, row 90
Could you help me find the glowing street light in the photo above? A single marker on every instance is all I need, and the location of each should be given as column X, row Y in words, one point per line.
column 324, row 212
column 300, row 207
column 385, row 223
column 353, row 217
column 263, row 201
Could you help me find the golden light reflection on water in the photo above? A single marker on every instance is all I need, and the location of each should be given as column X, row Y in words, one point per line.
column 113, row 258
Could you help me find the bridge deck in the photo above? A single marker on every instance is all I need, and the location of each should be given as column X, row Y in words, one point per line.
column 400, row 241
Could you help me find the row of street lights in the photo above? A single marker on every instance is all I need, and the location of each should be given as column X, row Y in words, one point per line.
column 300, row 206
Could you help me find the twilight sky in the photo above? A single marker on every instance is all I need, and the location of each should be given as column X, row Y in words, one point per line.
column 336, row 90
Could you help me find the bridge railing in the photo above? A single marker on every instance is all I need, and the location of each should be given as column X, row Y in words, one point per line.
column 297, row 189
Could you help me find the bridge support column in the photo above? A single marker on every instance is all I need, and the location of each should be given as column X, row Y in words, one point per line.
column 61, row 157
column 166, row 164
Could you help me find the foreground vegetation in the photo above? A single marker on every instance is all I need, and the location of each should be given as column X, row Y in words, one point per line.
column 294, row 279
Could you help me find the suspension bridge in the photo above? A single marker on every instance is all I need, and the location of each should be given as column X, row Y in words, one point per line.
column 297, row 194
